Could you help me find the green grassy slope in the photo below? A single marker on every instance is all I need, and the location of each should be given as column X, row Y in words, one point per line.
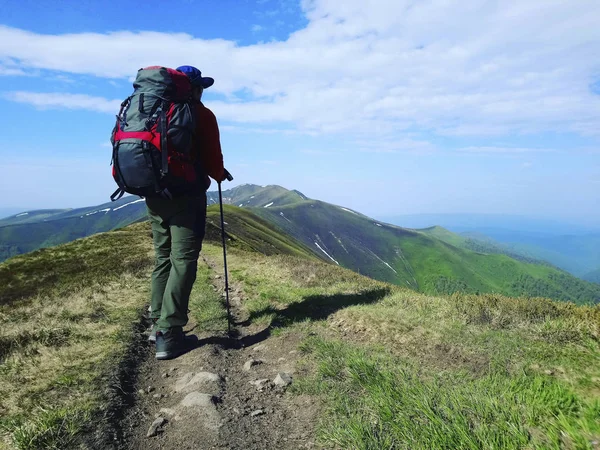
column 67, row 320
column 247, row 231
column 393, row 368
column 416, row 259
column 402, row 370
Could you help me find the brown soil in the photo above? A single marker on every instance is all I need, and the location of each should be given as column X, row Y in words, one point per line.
column 240, row 415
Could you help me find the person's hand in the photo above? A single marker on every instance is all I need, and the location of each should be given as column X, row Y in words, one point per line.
column 226, row 175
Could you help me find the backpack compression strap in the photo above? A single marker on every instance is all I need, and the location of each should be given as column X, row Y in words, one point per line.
column 117, row 195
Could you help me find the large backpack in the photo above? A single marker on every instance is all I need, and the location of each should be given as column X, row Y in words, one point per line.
column 153, row 138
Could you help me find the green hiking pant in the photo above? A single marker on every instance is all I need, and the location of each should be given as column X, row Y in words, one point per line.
column 177, row 229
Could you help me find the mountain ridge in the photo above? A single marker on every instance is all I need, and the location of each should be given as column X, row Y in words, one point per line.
column 432, row 260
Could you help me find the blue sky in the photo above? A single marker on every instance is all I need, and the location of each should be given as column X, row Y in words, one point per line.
column 398, row 108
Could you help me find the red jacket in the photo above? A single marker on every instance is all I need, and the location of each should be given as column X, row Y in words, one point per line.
column 209, row 144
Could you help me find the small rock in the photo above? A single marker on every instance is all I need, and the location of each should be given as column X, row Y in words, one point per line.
column 169, row 412
column 172, row 369
column 235, row 410
column 191, row 381
column 197, row 399
column 141, row 392
column 251, row 363
column 259, row 348
column 549, row 372
column 260, row 384
column 217, row 277
column 153, row 430
column 282, row 379
column 281, row 359
column 157, row 396
column 293, row 352
column 258, row 412
column 165, row 375
column 149, row 389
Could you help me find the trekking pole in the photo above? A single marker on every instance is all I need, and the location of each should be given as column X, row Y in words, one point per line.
column 229, row 178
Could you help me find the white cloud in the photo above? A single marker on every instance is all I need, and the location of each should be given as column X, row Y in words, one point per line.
column 448, row 67
column 526, row 165
column 507, row 150
column 68, row 101
column 256, row 28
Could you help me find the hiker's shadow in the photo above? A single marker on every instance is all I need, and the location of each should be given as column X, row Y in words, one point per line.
column 312, row 307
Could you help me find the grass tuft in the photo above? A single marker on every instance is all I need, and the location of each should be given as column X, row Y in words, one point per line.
column 46, row 428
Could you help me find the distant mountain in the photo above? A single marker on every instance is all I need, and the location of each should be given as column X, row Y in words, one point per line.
column 492, row 223
column 6, row 212
column 31, row 230
column 573, row 248
column 593, row 276
column 251, row 195
column 416, row 258
column 432, row 260
column 480, row 243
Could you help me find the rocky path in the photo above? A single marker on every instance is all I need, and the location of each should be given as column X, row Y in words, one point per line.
column 225, row 394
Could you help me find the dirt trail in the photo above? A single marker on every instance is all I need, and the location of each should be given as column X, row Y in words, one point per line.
column 214, row 397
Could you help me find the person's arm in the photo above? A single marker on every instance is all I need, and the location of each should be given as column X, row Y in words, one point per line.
column 210, row 152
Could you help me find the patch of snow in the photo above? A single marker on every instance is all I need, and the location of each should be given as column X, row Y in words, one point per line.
column 339, row 242
column 350, row 211
column 373, row 253
column 225, row 223
column 252, row 196
column 22, row 214
column 241, row 204
column 328, row 255
column 283, row 215
column 270, row 204
column 101, row 210
column 127, row 204
column 378, row 224
column 390, row 267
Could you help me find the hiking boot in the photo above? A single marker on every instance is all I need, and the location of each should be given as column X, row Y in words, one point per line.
column 170, row 343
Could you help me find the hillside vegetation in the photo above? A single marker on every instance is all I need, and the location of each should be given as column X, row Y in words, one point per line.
column 394, row 368
column 593, row 277
column 30, row 231
column 432, row 260
column 434, row 263
column 398, row 369
column 67, row 320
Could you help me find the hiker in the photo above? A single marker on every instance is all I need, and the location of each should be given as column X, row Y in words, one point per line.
column 165, row 147
column 178, row 230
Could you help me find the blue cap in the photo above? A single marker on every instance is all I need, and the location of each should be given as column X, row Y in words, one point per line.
column 196, row 77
